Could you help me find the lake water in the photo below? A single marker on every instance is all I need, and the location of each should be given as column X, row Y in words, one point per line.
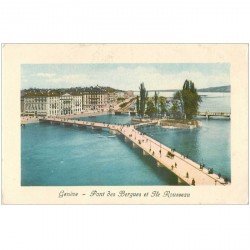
column 211, row 101
column 56, row 155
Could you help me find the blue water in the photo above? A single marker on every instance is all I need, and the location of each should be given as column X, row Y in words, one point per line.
column 209, row 145
column 58, row 155
column 216, row 102
column 114, row 119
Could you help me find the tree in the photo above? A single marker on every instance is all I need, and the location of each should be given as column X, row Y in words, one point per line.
column 175, row 110
column 143, row 98
column 163, row 109
column 156, row 102
column 138, row 105
column 151, row 109
column 189, row 99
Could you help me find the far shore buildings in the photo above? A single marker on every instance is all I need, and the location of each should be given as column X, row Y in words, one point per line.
column 39, row 102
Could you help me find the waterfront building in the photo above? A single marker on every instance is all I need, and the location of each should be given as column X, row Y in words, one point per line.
column 72, row 101
column 112, row 97
column 94, row 98
column 36, row 103
column 70, row 104
column 22, row 105
column 51, row 103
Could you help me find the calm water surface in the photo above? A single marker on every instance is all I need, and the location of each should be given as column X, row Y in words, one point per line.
column 58, row 155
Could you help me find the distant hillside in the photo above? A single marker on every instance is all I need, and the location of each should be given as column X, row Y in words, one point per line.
column 226, row 88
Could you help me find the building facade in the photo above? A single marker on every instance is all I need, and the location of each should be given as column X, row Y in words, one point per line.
column 70, row 104
column 35, row 105
column 94, row 99
column 54, row 103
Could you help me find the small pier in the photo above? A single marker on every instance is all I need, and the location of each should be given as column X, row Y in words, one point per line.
column 187, row 171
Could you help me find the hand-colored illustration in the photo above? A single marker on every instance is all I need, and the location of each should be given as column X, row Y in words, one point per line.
column 125, row 124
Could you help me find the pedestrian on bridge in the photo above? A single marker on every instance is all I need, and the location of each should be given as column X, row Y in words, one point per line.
column 193, row 182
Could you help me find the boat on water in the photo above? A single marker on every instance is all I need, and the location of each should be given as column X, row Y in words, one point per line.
column 111, row 136
column 92, row 116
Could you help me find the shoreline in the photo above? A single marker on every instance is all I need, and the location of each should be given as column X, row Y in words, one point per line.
column 177, row 127
column 180, row 125
column 171, row 123
column 30, row 119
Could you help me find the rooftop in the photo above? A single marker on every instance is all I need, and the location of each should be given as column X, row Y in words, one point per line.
column 33, row 92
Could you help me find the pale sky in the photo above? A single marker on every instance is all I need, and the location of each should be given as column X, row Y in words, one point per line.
column 124, row 76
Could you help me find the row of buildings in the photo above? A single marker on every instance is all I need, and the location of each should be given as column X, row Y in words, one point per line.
column 38, row 102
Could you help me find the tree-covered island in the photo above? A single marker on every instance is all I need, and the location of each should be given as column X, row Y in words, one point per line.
column 178, row 111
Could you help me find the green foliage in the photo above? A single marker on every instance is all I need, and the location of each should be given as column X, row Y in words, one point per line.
column 163, row 109
column 174, row 110
column 138, row 105
column 150, row 104
column 143, row 98
column 189, row 99
column 151, row 109
column 156, row 100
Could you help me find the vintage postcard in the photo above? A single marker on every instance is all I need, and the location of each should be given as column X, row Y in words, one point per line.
column 125, row 123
